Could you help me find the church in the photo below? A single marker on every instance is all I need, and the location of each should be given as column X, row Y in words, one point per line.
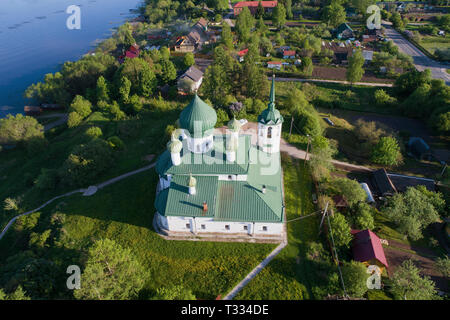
column 221, row 186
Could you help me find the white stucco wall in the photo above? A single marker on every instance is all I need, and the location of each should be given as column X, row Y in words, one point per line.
column 264, row 140
column 208, row 225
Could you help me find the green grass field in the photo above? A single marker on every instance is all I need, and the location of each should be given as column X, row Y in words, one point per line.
column 291, row 274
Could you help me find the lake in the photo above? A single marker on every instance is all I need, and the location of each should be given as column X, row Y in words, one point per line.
column 34, row 40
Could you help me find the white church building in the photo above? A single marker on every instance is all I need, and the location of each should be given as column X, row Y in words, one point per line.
column 221, row 186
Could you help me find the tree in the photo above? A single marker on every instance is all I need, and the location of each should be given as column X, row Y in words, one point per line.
column 397, row 21
column 408, row 82
column 177, row 292
column 124, row 89
column 189, row 59
column 334, row 14
column 74, row 119
column 355, row 278
column 279, row 16
column 307, row 66
column 19, row 129
column 227, row 36
column 125, row 35
column 168, row 71
column 413, row 210
column 355, row 69
column 387, row 152
column 259, row 11
column 18, row 294
column 320, row 161
column 407, row 284
column 261, row 27
column 111, row 273
column 364, row 216
column 142, row 78
column 351, row 190
column 81, row 106
column 341, row 230
column 215, row 84
column 244, row 24
column 102, row 93
column 443, row 266
column 86, row 162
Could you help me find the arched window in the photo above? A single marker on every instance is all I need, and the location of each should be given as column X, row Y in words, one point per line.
column 269, row 133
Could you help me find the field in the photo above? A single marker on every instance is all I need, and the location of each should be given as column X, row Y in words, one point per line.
column 291, row 274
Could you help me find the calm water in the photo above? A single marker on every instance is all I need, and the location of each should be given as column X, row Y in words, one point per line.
column 34, row 40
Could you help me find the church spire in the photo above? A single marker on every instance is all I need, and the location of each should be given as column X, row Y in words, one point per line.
column 272, row 94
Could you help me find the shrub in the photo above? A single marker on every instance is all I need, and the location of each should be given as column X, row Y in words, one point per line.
column 81, row 106
column 86, row 162
column 384, row 99
column 387, row 152
column 93, row 132
column 74, row 119
column 19, row 129
column 222, row 117
column 116, row 143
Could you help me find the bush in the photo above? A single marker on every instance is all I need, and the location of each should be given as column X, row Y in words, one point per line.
column 387, row 152
column 383, row 99
column 19, row 129
column 81, row 106
column 86, row 163
column 74, row 119
column 116, row 143
column 222, row 117
column 93, row 132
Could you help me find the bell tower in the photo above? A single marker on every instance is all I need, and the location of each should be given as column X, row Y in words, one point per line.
column 269, row 125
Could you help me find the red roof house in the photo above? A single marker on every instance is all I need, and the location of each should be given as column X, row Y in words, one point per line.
column 367, row 248
column 288, row 54
column 253, row 6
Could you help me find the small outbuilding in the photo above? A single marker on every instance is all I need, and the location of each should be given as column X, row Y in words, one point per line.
column 419, row 148
column 344, row 32
column 383, row 183
column 367, row 248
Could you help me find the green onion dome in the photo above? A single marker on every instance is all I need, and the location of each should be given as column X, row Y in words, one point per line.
column 198, row 117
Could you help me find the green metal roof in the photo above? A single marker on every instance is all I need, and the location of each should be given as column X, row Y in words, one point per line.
column 271, row 115
column 230, row 200
column 212, row 162
column 198, row 117
column 178, row 201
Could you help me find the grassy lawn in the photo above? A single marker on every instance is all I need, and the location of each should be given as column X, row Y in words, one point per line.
column 124, row 212
column 291, row 274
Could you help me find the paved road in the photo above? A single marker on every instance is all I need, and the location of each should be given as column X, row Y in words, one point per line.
column 421, row 61
column 62, row 119
column 369, row 84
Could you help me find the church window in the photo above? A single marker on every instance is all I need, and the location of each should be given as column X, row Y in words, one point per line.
column 264, row 228
column 227, row 227
column 203, row 227
column 230, row 177
column 188, row 225
column 245, row 227
column 269, row 133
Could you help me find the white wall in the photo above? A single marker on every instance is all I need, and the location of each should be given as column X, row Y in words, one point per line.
column 263, row 139
column 189, row 224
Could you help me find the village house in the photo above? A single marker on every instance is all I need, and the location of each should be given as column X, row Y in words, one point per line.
column 253, row 6
column 221, row 185
column 367, row 249
column 341, row 51
column 289, row 54
column 195, row 39
column 274, row 65
column 192, row 76
column 344, row 31
column 241, row 54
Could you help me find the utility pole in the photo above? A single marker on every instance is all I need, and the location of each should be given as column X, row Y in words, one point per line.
column 336, row 255
column 323, row 216
column 307, row 149
column 292, row 123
